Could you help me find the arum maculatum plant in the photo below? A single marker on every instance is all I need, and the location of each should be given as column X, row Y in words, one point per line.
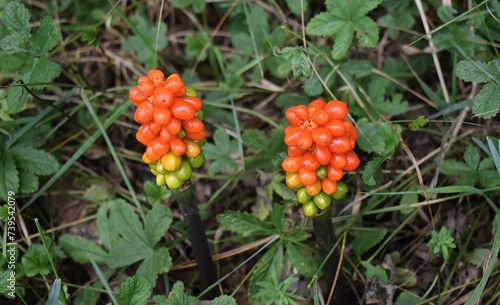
column 320, row 149
column 173, row 132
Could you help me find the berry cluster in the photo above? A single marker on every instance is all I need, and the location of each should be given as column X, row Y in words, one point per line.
column 172, row 127
column 320, row 142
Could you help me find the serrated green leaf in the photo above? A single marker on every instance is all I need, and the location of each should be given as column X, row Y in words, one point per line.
column 223, row 300
column 365, row 240
column 197, row 6
column 11, row 44
column 324, row 24
column 343, row 19
column 488, row 178
column 221, row 152
column 371, row 168
column 28, row 182
column 178, row 297
column 378, row 271
column 139, row 42
column 9, row 176
column 47, row 36
column 89, row 35
column 159, row 262
column 5, row 284
column 244, row 224
column 135, row 253
column 471, row 157
column 123, row 217
column 302, row 259
column 16, row 18
column 134, row 291
column 377, row 137
column 36, row 261
column 270, row 264
column 486, row 104
column 43, row 71
column 454, row 167
column 155, row 194
column 34, row 160
column 82, row 250
column 106, row 231
column 295, row 58
column 474, row 71
column 17, row 97
column 256, row 140
column 418, row 123
column 196, row 45
column 157, row 223
column 283, row 190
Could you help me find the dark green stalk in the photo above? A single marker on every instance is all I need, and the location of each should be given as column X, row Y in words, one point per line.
column 196, row 234
column 325, row 239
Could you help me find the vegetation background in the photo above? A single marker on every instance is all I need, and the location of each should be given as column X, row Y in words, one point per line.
column 420, row 224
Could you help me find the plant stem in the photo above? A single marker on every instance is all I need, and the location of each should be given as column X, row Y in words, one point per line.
column 196, row 234
column 325, row 239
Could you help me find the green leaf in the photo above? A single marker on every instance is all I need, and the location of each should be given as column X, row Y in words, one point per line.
column 406, row 298
column 134, row 291
column 47, row 36
column 302, row 259
column 295, row 58
column 196, row 45
column 378, row 271
column 418, row 123
column 365, row 240
column 43, row 71
column 106, row 231
column 270, row 265
column 123, row 217
column 454, row 167
column 197, row 6
column 377, row 137
column 478, row 257
column 441, row 242
column 11, row 44
column 89, row 35
column 144, row 42
column 36, row 261
column 344, row 19
column 477, row 72
column 487, row 102
column 5, row 279
column 283, row 190
column 157, row 223
column 16, row 18
column 267, row 149
column 134, row 252
column 34, row 160
column 221, row 152
column 296, row 7
column 399, row 17
column 82, row 250
column 9, row 176
column 244, row 224
column 178, row 297
column 28, row 182
column 17, row 97
column 155, row 194
column 157, row 263
column 223, row 300
column 471, row 157
column 98, row 193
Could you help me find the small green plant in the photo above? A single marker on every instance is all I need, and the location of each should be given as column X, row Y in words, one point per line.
column 441, row 243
